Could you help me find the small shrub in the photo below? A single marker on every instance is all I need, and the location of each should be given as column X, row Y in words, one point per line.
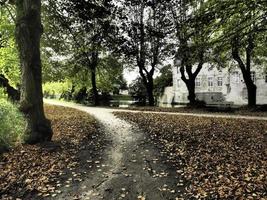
column 3, row 94
column 12, row 124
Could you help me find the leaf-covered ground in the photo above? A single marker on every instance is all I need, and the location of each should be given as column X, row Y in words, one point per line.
column 32, row 172
column 220, row 111
column 222, row 158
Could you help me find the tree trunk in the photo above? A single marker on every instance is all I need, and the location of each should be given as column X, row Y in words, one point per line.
column 190, row 84
column 150, row 89
column 148, row 83
column 252, row 95
column 28, row 33
column 93, row 66
column 246, row 69
column 94, row 87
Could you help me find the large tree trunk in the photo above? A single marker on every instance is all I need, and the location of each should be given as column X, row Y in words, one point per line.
column 28, row 33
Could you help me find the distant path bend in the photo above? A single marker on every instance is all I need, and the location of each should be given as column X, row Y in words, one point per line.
column 81, row 107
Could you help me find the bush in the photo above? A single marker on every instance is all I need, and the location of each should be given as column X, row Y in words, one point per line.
column 138, row 92
column 55, row 89
column 3, row 94
column 12, row 125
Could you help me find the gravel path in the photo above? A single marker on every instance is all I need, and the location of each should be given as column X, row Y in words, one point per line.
column 166, row 113
column 132, row 167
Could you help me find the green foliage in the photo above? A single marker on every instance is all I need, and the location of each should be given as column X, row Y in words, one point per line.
column 12, row 124
column 109, row 78
column 164, row 80
column 9, row 62
column 3, row 94
column 110, row 75
column 138, row 91
column 238, row 21
column 55, row 89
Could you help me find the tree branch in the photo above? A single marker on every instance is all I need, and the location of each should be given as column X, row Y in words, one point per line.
column 200, row 64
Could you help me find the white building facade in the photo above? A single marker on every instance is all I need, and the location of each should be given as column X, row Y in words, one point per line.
column 218, row 86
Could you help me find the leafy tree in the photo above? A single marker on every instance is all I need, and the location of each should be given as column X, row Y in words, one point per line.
column 110, row 75
column 88, row 24
column 28, row 33
column 241, row 30
column 9, row 67
column 191, row 33
column 144, row 27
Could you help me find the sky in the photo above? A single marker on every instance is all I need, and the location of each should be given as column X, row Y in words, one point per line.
column 130, row 75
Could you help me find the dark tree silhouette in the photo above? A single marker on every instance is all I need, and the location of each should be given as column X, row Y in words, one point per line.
column 12, row 93
column 144, row 29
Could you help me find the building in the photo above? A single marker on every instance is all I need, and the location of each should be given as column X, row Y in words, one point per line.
column 218, row 86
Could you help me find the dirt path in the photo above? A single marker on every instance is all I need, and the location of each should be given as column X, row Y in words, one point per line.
column 132, row 168
column 168, row 113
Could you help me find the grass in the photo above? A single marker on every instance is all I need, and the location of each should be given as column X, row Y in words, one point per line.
column 12, row 124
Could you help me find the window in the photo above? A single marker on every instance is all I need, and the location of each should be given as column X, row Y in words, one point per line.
column 197, row 82
column 253, row 76
column 236, row 77
column 220, row 81
column 210, row 81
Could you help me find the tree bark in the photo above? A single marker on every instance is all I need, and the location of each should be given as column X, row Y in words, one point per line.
column 150, row 89
column 94, row 88
column 246, row 69
column 252, row 95
column 28, row 34
column 148, row 81
column 190, row 82
column 147, row 76
column 191, row 92
column 93, row 66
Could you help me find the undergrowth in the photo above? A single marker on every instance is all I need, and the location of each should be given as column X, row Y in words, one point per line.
column 12, row 124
